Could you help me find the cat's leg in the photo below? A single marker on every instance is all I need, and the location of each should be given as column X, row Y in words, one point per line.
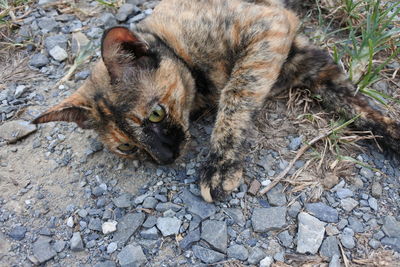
column 310, row 67
column 252, row 78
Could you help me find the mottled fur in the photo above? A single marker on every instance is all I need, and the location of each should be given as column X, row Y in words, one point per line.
column 190, row 55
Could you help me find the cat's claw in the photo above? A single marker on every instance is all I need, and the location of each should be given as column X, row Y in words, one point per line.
column 214, row 186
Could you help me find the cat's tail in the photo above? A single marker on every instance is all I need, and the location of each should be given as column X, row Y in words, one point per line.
column 310, row 67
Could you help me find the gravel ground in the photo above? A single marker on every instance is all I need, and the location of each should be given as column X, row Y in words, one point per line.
column 66, row 201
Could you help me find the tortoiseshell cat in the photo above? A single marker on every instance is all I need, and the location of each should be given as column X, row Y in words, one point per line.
column 191, row 54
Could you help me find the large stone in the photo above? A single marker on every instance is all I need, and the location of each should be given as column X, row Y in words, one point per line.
column 391, row 226
column 267, row 219
column 348, row 204
column 151, row 233
column 393, row 243
column 236, row 215
column 238, row 252
column 12, row 131
column 207, row 255
column 123, row 201
column 197, row 206
column 215, row 233
column 38, row 60
column 76, row 242
column 58, row 53
column 56, row 40
column 131, row 255
column 323, row 212
column 169, row 225
column 18, row 232
column 329, row 247
column 256, row 254
column 127, row 227
column 42, row 250
column 310, row 233
column 276, row 196
column 189, row 239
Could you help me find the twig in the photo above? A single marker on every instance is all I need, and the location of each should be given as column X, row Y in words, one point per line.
column 345, row 260
column 301, row 152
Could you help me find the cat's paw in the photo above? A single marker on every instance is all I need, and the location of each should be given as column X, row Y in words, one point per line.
column 216, row 183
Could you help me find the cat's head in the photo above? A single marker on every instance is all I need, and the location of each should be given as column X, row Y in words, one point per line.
column 138, row 97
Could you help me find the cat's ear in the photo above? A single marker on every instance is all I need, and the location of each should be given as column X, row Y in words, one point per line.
column 73, row 109
column 119, row 48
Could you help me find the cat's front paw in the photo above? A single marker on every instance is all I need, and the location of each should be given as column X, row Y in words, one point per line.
column 218, row 181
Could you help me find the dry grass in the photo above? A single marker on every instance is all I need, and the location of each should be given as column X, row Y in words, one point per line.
column 15, row 68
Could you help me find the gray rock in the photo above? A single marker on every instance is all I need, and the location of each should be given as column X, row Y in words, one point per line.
column 344, row 193
column 276, row 196
column 310, row 233
column 374, row 243
column 295, row 143
column 42, row 250
column 108, row 20
column 367, row 173
column 329, row 247
column 126, row 10
column 189, row 239
column 355, row 224
column 323, row 212
column 123, row 201
column 151, row 233
column 60, row 40
column 18, row 232
column 112, row 247
column 136, row 18
column 127, row 226
column 294, row 209
column 47, row 24
column 266, row 219
column 105, row 264
column 59, row 245
column 197, row 206
column 20, row 90
column 286, row 239
column 335, row 261
column 266, row 262
column 150, row 203
column 347, row 241
column 44, row 2
column 12, row 131
column 236, row 215
column 38, row 60
column 139, row 200
column 378, row 235
column 58, row 53
column 131, row 255
column 373, row 203
column 238, row 252
column 76, row 242
column 215, row 233
column 207, row 255
column 161, row 207
column 393, row 243
column 376, row 190
column 150, row 222
column 348, row 204
column 95, row 224
column 256, row 254
column 391, row 226
column 169, row 226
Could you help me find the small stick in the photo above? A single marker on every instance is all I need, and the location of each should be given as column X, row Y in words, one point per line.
column 301, row 152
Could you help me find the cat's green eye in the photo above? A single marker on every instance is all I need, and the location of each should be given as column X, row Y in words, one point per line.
column 126, row 148
column 158, row 114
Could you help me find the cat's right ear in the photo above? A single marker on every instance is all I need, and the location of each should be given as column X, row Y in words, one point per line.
column 73, row 109
column 119, row 48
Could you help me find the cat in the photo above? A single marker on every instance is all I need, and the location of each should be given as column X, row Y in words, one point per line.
column 191, row 55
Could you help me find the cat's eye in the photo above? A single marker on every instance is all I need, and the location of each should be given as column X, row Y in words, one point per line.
column 157, row 114
column 127, row 148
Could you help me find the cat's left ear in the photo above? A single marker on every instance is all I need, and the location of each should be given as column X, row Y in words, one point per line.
column 119, row 48
column 73, row 109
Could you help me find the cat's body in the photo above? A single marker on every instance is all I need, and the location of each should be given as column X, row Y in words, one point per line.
column 189, row 55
